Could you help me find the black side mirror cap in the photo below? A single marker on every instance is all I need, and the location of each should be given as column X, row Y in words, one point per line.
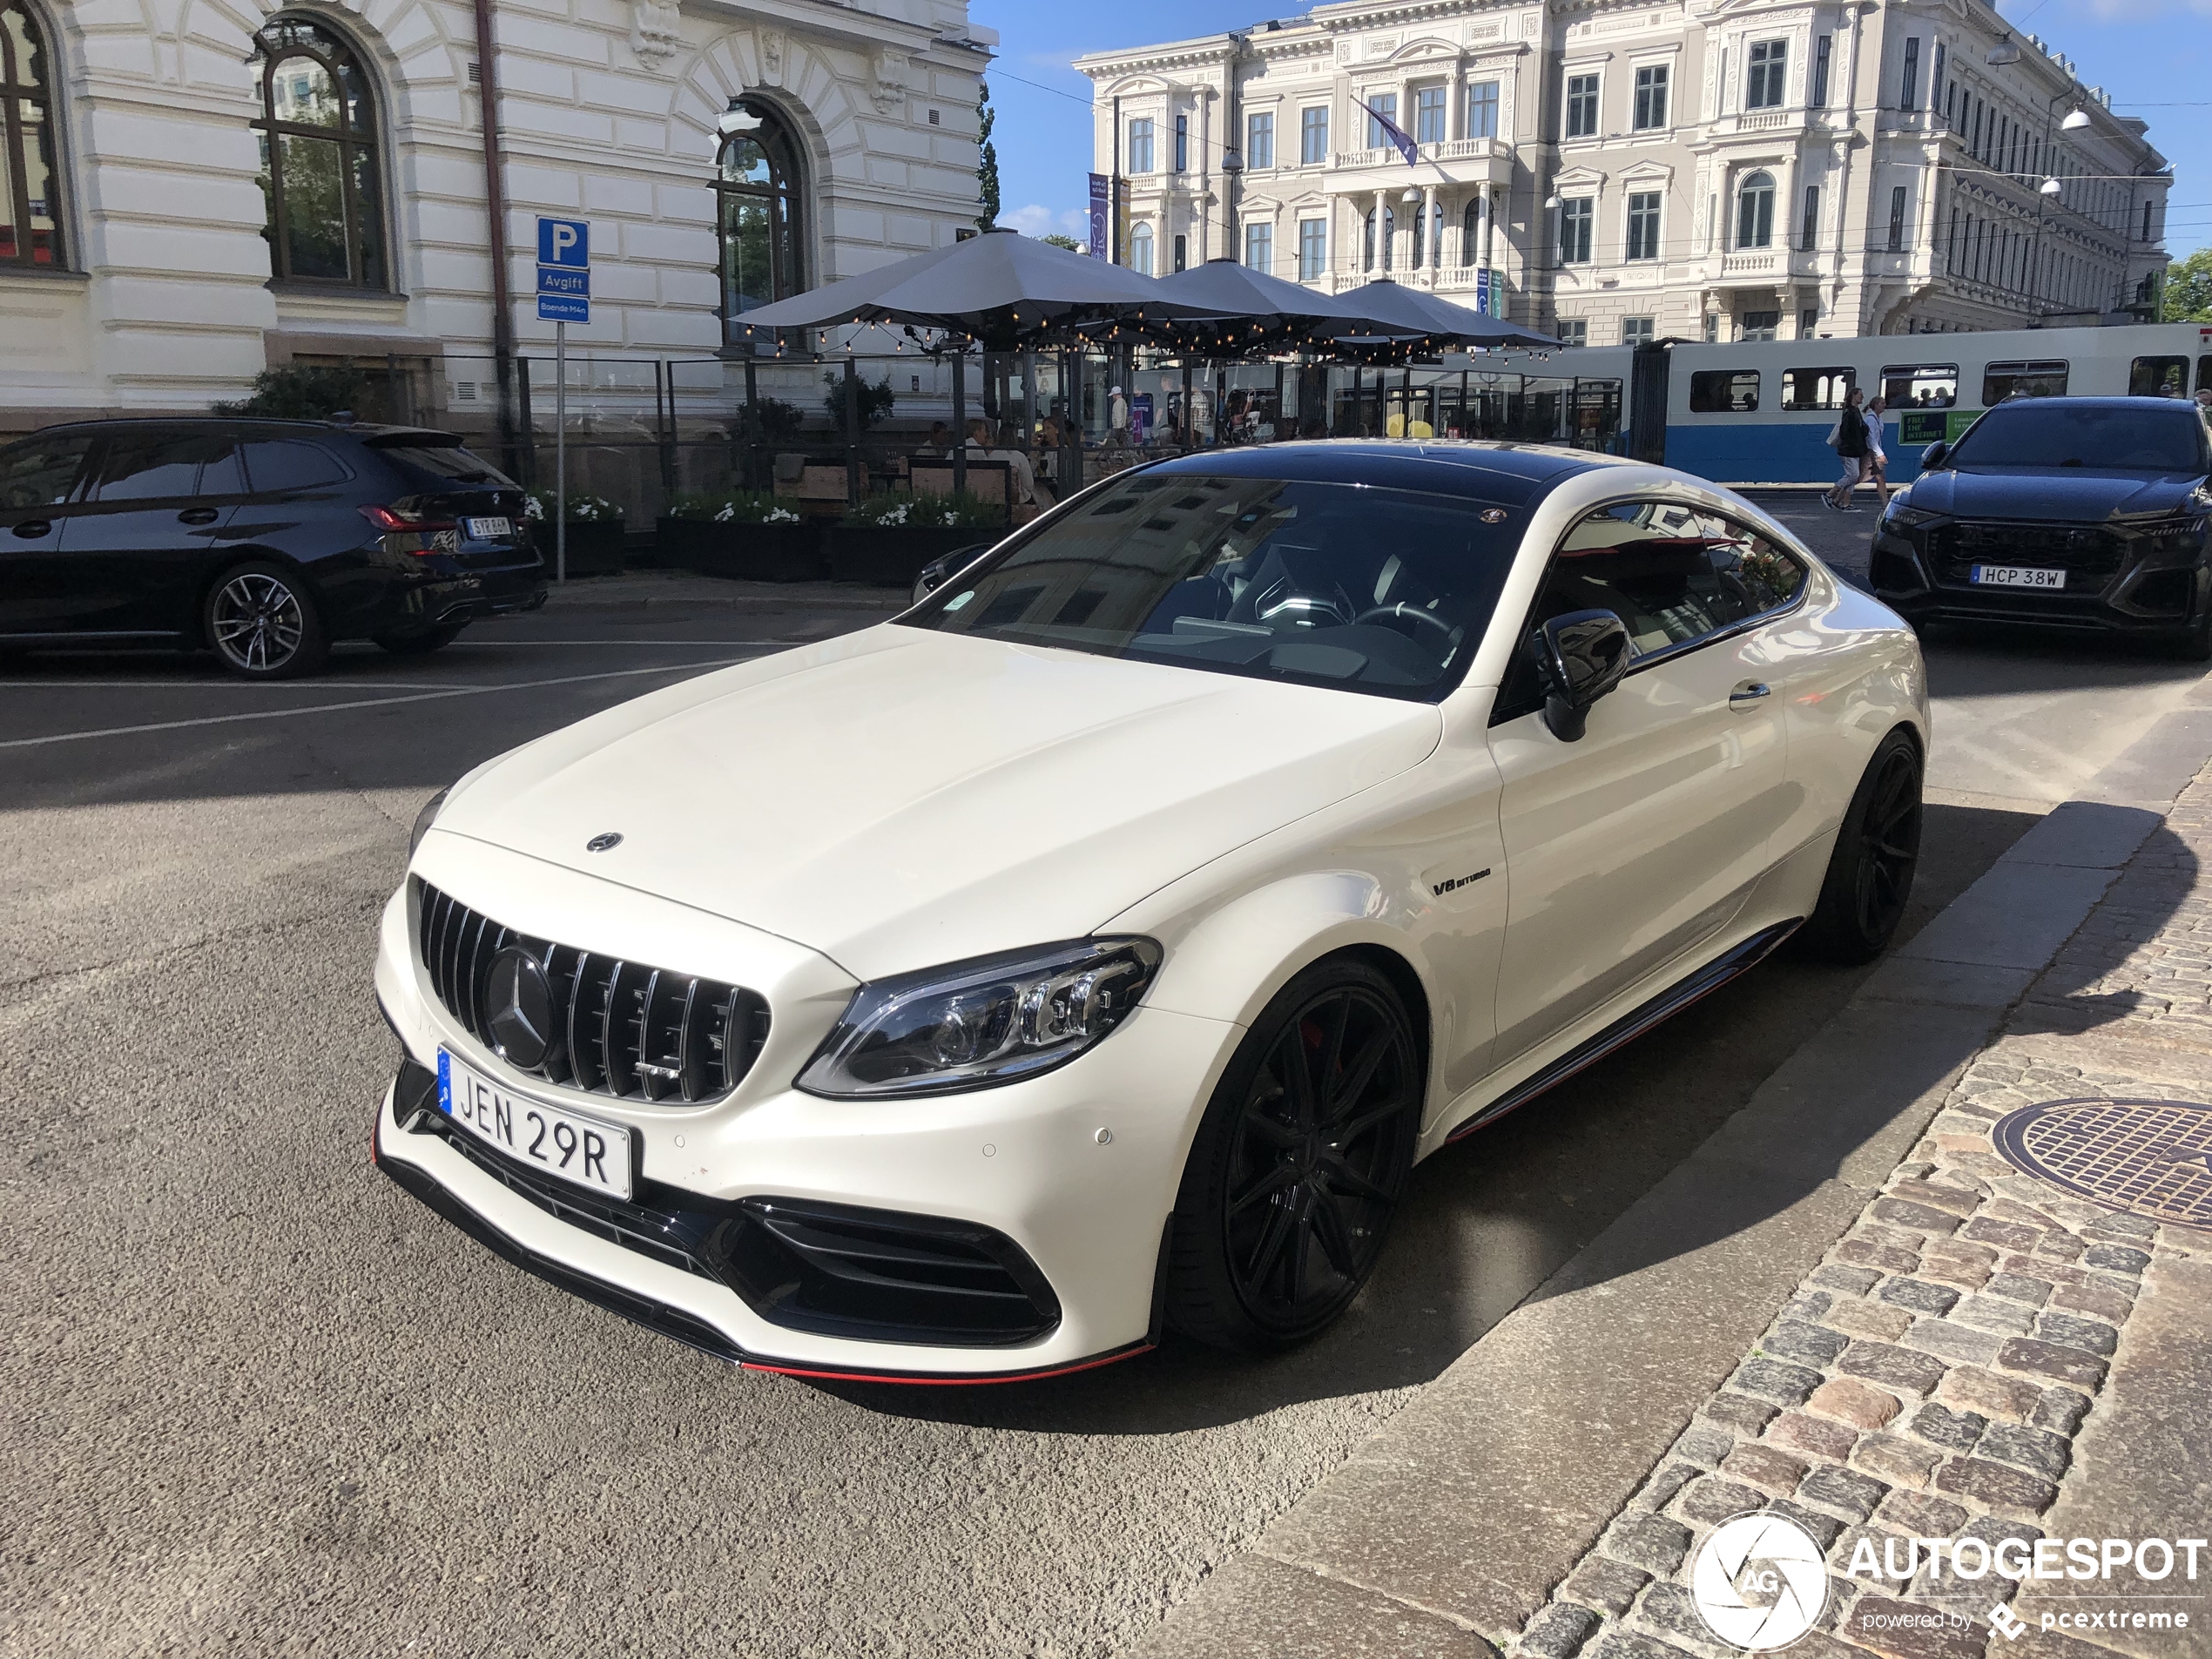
column 1583, row 655
column 1934, row 455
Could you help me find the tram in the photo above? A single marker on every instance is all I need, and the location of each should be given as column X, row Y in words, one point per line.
column 1760, row 412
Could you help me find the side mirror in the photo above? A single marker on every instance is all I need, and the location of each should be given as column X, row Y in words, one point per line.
column 938, row 572
column 1583, row 656
column 1932, row 456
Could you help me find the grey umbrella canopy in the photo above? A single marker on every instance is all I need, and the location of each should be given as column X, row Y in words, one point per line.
column 1002, row 289
column 1247, row 310
column 1404, row 311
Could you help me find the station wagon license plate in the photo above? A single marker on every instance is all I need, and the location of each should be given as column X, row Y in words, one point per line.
column 2017, row 575
column 565, row 1144
column 490, row 529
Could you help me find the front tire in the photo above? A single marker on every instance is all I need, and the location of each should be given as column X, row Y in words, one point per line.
column 1299, row 1164
column 262, row 623
column 1877, row 849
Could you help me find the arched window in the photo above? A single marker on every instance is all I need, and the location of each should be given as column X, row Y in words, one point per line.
column 760, row 210
column 1471, row 230
column 1755, row 211
column 320, row 167
column 1140, row 249
column 31, row 209
column 1389, row 232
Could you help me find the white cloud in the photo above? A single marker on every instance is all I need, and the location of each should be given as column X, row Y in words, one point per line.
column 1038, row 220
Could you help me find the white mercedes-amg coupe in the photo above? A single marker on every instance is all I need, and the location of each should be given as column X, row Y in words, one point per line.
column 1095, row 948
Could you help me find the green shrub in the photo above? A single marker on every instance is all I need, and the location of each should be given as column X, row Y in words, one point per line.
column 583, row 510
column 903, row 511
column 876, row 401
column 733, row 507
column 300, row 392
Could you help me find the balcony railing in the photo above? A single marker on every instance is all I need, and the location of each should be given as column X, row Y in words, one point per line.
column 1448, row 150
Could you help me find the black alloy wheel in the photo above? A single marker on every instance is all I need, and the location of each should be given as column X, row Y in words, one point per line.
column 262, row 624
column 1877, row 849
column 1299, row 1164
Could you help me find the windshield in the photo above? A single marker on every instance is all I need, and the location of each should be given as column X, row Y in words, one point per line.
column 1385, row 591
column 2111, row 437
column 445, row 462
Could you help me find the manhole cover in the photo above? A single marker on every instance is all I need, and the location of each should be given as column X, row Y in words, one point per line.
column 2149, row 1157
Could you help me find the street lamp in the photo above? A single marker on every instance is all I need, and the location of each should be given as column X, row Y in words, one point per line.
column 2076, row 121
column 2049, row 188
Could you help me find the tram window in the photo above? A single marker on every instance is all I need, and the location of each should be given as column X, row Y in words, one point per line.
column 1817, row 388
column 2159, row 377
column 1921, row 386
column 1723, row 391
column 2001, row 381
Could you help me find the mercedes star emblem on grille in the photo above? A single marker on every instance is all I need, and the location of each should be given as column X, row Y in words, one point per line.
column 519, row 1001
column 601, row 843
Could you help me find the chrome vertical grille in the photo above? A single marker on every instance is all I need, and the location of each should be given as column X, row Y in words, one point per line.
column 622, row 1028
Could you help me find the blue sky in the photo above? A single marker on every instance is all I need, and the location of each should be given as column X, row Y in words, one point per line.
column 2154, row 57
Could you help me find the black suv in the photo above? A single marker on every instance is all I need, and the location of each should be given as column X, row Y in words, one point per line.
column 262, row 541
column 2060, row 512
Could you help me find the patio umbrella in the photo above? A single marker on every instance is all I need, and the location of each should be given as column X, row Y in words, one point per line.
column 1440, row 324
column 1005, row 290
column 1247, row 312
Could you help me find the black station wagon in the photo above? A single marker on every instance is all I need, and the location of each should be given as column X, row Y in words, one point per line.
column 262, row 540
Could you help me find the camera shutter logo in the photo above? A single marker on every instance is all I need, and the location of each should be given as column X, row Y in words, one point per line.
column 1759, row 1583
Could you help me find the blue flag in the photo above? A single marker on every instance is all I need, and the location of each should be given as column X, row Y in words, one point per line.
column 1391, row 130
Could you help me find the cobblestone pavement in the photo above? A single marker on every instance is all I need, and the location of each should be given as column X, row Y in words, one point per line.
column 1947, row 1370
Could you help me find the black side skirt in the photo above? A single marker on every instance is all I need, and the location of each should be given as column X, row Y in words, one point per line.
column 1630, row 1026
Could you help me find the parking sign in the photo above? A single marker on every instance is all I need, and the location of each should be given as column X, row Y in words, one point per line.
column 564, row 241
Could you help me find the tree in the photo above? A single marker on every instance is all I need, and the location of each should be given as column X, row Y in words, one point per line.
column 875, row 400
column 301, row 392
column 2189, row 288
column 987, row 166
column 1068, row 242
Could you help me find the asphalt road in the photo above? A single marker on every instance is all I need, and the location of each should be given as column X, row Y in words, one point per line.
column 262, row 1402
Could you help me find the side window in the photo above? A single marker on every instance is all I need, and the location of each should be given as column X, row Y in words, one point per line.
column 1818, row 389
column 1921, row 386
column 1673, row 574
column 1723, row 391
column 2001, row 381
column 2159, row 377
column 153, row 466
column 137, row 468
column 275, row 466
column 2204, row 374
column 42, row 472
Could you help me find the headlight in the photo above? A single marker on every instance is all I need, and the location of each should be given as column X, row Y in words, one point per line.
column 969, row 1025
column 1902, row 517
column 424, row 818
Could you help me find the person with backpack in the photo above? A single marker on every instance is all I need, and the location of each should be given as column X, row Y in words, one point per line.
column 1850, row 441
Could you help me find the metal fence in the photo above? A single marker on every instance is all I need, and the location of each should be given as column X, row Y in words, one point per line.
column 643, row 431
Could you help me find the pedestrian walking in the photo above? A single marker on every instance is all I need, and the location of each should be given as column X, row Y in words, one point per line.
column 1849, row 439
column 1877, row 463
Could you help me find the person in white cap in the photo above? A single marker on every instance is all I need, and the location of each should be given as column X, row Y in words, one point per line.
column 1117, row 418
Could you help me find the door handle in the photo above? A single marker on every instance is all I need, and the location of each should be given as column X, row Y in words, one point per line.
column 31, row 528
column 198, row 516
column 1747, row 693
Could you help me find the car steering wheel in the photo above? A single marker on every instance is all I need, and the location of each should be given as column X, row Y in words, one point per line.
column 1409, row 613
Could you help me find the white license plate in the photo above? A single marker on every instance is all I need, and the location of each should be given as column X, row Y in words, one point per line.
column 563, row 1144
column 2017, row 575
column 490, row 529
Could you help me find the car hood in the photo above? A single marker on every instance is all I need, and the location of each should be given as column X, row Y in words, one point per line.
column 899, row 797
column 2078, row 496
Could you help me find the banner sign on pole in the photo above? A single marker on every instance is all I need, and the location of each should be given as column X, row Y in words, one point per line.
column 1100, row 248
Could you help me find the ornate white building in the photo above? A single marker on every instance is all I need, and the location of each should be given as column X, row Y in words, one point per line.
column 1620, row 169
column 191, row 192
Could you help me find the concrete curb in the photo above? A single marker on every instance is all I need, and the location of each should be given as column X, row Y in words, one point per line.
column 1459, row 1519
